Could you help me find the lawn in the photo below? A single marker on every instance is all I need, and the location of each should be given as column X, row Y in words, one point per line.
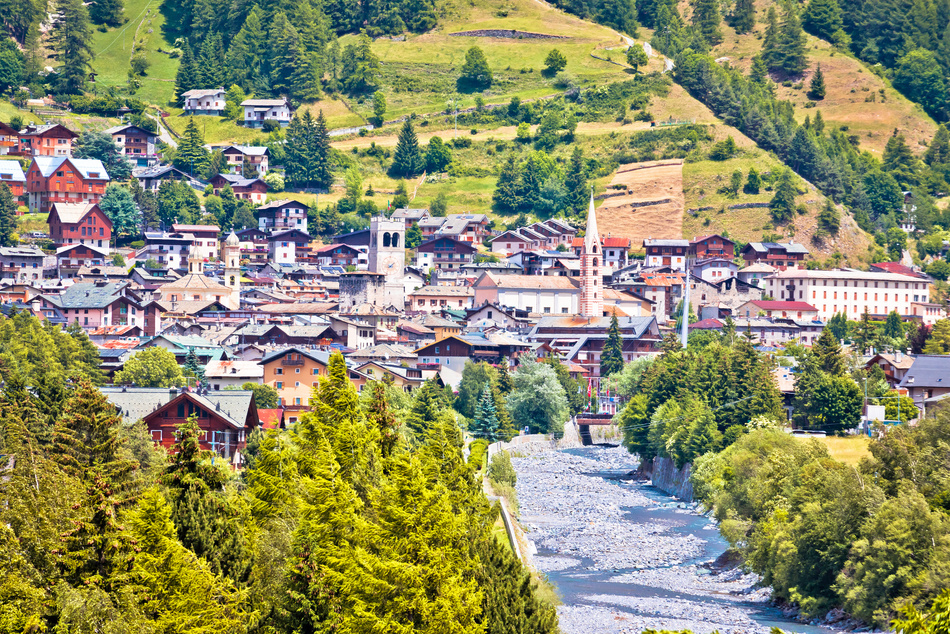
column 32, row 222
column 113, row 52
column 216, row 130
column 848, row 449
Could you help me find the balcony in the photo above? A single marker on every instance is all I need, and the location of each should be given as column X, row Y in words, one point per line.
column 286, row 361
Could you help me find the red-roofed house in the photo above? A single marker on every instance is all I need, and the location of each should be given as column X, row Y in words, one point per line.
column 799, row 311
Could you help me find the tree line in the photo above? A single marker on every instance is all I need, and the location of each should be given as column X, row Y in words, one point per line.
column 362, row 517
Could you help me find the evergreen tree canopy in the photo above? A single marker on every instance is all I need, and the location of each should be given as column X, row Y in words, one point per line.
column 611, row 359
column 407, row 160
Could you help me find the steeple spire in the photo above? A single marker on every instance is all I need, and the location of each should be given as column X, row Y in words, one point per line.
column 591, row 235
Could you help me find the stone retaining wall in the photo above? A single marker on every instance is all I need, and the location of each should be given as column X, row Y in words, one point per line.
column 508, row 33
column 667, row 478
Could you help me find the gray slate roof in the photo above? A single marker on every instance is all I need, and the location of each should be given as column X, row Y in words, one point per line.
column 928, row 371
column 90, row 295
column 135, row 403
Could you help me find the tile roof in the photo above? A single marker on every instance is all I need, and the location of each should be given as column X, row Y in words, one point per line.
column 277, row 204
column 613, row 243
column 844, row 274
column 13, row 170
column 47, row 165
column 319, row 356
column 928, row 371
column 88, row 295
column 236, row 180
column 250, row 150
column 234, row 369
column 71, row 213
column 264, row 102
column 790, row 247
column 551, row 282
column 195, row 228
column 444, row 291
column 198, row 93
column 666, row 243
column 898, row 268
column 270, row 418
column 780, row 305
column 299, row 308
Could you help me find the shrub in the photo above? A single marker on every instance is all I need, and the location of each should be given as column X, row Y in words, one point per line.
column 501, row 471
column 270, row 125
column 476, row 455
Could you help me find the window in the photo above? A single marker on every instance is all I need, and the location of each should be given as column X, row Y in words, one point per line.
column 280, row 385
column 279, row 371
column 296, row 370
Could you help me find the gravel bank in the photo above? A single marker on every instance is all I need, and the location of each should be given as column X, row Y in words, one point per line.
column 625, row 558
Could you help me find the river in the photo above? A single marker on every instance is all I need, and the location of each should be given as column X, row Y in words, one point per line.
column 625, row 557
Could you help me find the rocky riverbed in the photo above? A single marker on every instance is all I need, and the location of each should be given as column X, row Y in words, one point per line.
column 624, row 557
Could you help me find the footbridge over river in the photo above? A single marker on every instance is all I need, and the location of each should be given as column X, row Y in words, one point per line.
column 585, row 419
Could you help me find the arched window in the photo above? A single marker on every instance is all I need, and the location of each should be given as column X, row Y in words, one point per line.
column 593, row 248
column 233, row 281
column 395, row 240
column 595, row 262
column 386, row 239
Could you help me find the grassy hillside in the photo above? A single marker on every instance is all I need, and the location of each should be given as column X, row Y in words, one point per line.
column 113, row 52
column 856, row 97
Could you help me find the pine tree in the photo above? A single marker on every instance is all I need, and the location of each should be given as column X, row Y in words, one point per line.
column 380, row 415
column 322, row 169
column 759, row 72
column 611, row 359
column 505, row 199
column 900, row 162
column 504, row 377
column 782, row 205
column 108, row 12
column 70, row 40
column 509, row 604
column 864, row 332
column 790, row 57
column 743, row 17
column 822, row 18
column 506, row 425
column 770, row 45
column 425, row 410
column 8, row 220
column 193, row 365
column 191, row 155
column 706, row 19
column 407, row 160
column 827, row 353
column 575, row 181
column 88, row 447
column 324, row 560
column 816, row 89
column 485, row 424
column 938, row 152
column 894, row 327
column 187, row 76
column 207, row 524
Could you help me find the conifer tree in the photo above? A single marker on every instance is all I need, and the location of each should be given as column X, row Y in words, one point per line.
column 770, row 45
column 322, row 170
column 205, row 522
column 179, row 589
column 900, row 162
column 706, row 19
column 337, row 417
column 485, row 424
column 611, row 359
column 8, row 221
column 425, row 410
column 816, row 89
column 759, row 72
column 407, row 160
column 380, row 415
column 191, row 156
column 193, row 365
column 822, row 18
column 790, row 54
column 782, row 205
column 504, row 377
column 938, row 152
column 324, row 547
column 864, row 332
column 187, row 76
column 505, row 199
column 108, row 12
column 827, row 352
column 506, row 426
column 70, row 40
column 417, row 574
column 88, row 447
column 274, row 467
column 575, row 181
column 743, row 17
column 753, row 182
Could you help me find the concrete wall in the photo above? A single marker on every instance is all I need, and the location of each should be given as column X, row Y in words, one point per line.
column 667, row 478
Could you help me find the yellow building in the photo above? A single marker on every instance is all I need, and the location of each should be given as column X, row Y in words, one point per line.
column 197, row 287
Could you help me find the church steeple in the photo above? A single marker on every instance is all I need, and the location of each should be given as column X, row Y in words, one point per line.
column 592, row 280
column 195, row 261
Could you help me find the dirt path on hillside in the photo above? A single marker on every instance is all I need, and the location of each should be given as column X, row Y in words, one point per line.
column 644, row 201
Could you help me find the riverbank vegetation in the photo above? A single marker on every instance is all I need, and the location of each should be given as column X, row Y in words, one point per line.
column 363, row 517
column 870, row 534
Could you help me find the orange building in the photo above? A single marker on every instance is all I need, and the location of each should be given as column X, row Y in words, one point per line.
column 294, row 372
column 11, row 175
column 79, row 224
column 47, row 140
column 64, row 180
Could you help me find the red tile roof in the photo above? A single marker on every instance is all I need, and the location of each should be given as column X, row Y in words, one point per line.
column 706, row 324
column 270, row 418
column 895, row 267
column 622, row 243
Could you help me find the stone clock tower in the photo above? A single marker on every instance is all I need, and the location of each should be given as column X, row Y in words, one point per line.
column 387, row 255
